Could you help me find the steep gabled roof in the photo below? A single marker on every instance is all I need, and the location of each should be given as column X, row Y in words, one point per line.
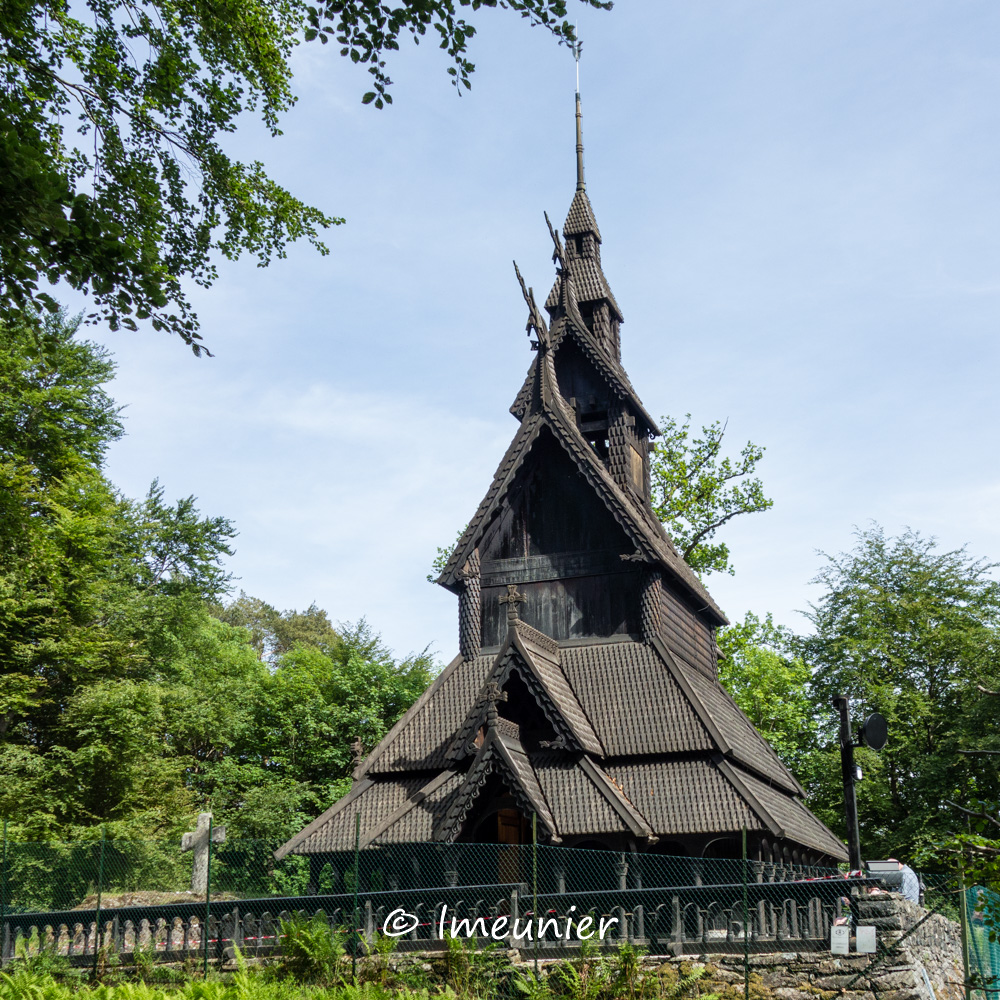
column 607, row 366
column 580, row 218
column 418, row 816
column 512, row 460
column 633, row 701
column 785, row 816
column 500, row 754
column 639, row 523
column 584, row 799
column 585, row 269
column 636, row 518
column 535, row 657
column 419, row 741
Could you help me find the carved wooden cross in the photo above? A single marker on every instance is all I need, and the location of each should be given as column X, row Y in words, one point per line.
column 198, row 842
column 512, row 600
column 493, row 695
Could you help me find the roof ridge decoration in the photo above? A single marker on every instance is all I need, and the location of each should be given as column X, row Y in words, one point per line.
column 505, row 755
column 549, row 687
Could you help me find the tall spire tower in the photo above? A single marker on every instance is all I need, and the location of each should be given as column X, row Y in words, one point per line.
column 585, row 697
column 596, row 305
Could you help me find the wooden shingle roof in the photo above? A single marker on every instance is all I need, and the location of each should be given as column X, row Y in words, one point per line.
column 638, row 521
column 503, row 754
column 580, row 218
column 536, row 659
column 620, row 729
column 635, row 697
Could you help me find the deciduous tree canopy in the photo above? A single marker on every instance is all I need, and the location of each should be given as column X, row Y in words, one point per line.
column 695, row 490
column 129, row 696
column 113, row 174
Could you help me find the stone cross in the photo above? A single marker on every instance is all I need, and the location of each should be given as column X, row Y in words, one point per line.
column 198, row 842
column 512, row 600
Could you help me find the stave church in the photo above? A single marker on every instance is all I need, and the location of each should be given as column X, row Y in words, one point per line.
column 585, row 693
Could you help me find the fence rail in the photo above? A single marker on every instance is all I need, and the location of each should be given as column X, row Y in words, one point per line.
column 759, row 916
column 134, row 899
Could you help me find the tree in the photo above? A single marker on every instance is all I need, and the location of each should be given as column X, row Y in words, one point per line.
column 695, row 492
column 139, row 196
column 126, row 701
column 96, row 591
column 770, row 683
column 914, row 633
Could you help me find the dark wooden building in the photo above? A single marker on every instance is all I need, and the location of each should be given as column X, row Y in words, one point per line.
column 585, row 690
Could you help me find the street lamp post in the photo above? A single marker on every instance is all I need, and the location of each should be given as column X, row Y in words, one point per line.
column 873, row 734
column 848, row 771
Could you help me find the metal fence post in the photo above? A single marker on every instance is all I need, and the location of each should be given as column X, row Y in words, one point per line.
column 746, row 922
column 96, row 943
column 208, row 898
column 357, row 879
column 963, row 915
column 534, row 882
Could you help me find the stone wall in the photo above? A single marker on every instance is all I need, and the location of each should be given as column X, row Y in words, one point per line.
column 933, row 950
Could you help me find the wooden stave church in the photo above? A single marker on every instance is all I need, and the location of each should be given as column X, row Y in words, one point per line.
column 586, row 689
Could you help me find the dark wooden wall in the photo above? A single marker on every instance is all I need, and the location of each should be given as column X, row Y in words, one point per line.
column 557, row 541
column 685, row 634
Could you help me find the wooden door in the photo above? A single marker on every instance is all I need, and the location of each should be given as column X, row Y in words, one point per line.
column 511, row 833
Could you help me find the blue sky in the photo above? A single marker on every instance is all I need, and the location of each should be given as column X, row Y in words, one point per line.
column 799, row 205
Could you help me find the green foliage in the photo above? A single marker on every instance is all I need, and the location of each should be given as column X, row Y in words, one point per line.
column 442, row 557
column 473, row 972
column 311, row 951
column 112, row 167
column 770, row 683
column 627, row 975
column 695, row 492
column 367, row 31
column 140, row 193
column 914, row 633
column 130, row 697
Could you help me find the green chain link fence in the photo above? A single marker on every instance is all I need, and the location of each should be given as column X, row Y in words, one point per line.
column 984, row 946
column 92, row 899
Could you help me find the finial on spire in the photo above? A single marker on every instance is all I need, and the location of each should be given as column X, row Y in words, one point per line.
column 580, row 185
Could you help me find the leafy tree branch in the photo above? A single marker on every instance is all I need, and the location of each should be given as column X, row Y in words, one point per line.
column 695, row 492
column 113, row 176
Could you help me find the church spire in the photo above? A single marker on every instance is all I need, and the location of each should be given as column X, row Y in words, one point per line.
column 580, row 184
